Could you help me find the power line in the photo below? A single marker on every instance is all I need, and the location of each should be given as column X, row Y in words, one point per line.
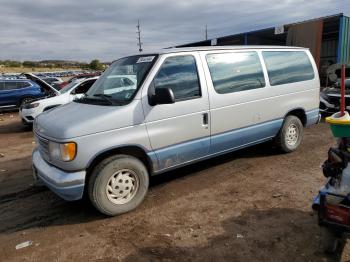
column 139, row 43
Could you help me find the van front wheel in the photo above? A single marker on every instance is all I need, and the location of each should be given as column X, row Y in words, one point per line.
column 118, row 184
column 289, row 137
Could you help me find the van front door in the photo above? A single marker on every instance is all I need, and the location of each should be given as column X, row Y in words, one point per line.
column 178, row 132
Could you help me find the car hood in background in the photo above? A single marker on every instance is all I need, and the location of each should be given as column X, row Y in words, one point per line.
column 78, row 119
column 335, row 92
column 55, row 100
column 48, row 88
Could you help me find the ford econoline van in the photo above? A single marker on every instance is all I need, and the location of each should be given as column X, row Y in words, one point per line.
column 178, row 106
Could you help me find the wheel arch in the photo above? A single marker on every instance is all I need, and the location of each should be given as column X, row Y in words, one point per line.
column 131, row 150
column 299, row 113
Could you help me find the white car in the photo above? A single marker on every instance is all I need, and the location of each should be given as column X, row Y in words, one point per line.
column 30, row 111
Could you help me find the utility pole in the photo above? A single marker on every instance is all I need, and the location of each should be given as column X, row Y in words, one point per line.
column 139, row 44
column 206, row 32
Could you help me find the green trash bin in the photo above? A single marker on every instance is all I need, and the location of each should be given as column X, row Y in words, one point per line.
column 340, row 125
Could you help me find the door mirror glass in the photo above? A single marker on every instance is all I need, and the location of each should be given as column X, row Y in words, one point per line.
column 159, row 96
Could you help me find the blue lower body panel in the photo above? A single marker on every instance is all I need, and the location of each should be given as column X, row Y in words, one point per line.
column 190, row 151
column 244, row 136
column 199, row 149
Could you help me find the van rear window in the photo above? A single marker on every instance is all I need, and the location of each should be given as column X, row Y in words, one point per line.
column 284, row 67
column 235, row 72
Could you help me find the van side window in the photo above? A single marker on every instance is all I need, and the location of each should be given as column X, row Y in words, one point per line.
column 285, row 67
column 234, row 72
column 180, row 74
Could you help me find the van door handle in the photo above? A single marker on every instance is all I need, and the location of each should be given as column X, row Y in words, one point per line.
column 205, row 120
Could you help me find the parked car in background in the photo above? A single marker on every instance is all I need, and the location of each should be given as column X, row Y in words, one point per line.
column 29, row 111
column 188, row 104
column 15, row 92
column 53, row 81
column 47, row 88
column 76, row 78
column 330, row 96
column 118, row 82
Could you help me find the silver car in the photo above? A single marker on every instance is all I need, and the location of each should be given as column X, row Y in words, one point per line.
column 171, row 109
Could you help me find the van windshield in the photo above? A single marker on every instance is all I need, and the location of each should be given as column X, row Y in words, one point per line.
column 119, row 83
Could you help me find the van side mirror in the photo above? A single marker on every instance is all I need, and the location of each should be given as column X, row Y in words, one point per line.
column 159, row 96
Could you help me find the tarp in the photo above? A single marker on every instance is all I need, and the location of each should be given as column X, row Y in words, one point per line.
column 308, row 34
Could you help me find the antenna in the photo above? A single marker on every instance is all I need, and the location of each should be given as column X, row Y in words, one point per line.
column 206, row 32
column 139, row 44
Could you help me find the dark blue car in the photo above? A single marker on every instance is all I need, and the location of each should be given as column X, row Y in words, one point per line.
column 15, row 92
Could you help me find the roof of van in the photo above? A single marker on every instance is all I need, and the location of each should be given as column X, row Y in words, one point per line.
column 233, row 47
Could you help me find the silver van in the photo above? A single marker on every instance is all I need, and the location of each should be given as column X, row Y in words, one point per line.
column 173, row 108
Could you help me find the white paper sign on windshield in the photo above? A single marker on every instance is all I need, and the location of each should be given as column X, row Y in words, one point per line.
column 145, row 59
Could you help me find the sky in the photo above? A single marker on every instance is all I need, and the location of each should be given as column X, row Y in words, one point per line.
column 106, row 29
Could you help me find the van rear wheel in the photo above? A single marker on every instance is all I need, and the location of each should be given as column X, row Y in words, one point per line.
column 289, row 137
column 118, row 184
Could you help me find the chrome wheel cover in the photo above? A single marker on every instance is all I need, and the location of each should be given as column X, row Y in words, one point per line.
column 122, row 186
column 292, row 135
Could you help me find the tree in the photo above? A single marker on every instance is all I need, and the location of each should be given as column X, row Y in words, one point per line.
column 11, row 63
column 30, row 64
column 96, row 65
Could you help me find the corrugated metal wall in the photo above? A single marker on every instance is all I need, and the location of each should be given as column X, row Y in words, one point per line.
column 329, row 50
column 344, row 41
column 307, row 34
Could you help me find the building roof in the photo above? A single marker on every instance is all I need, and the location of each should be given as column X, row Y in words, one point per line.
column 324, row 18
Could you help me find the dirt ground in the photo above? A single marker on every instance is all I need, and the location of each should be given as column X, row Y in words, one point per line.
column 251, row 205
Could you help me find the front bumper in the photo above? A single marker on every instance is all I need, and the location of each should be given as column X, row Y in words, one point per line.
column 27, row 115
column 68, row 185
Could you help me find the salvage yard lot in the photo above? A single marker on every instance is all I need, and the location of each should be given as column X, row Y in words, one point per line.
column 250, row 205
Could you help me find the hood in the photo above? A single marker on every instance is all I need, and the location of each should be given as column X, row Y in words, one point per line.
column 60, row 99
column 337, row 84
column 45, row 86
column 335, row 92
column 77, row 119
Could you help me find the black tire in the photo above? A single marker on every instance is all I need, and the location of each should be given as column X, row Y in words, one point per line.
column 101, row 177
column 283, row 139
column 25, row 100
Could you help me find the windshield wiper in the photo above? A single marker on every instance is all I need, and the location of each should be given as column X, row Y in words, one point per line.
column 105, row 97
column 101, row 98
column 110, row 99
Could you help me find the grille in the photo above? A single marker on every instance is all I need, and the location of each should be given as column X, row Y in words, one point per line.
column 43, row 145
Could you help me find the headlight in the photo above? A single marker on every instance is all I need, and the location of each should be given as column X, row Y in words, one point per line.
column 63, row 151
column 31, row 105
